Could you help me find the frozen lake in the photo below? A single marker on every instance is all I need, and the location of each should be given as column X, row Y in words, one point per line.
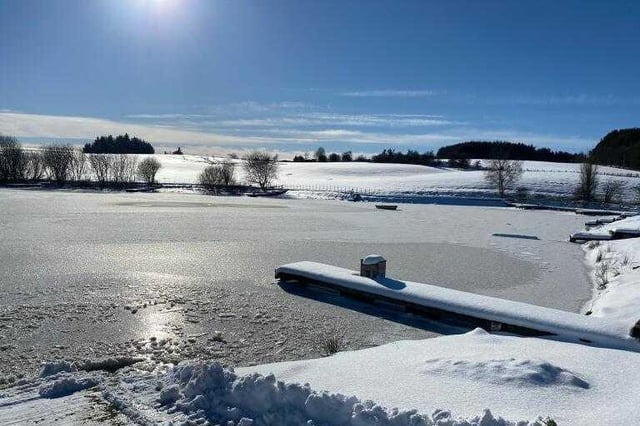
column 100, row 274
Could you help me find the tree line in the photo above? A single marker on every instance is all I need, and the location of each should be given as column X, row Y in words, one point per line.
column 507, row 151
column 65, row 163
column 121, row 144
column 456, row 156
column 619, row 148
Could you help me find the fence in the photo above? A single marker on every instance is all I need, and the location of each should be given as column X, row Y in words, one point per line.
column 335, row 189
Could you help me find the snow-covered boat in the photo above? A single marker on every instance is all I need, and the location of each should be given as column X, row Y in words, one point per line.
column 386, row 206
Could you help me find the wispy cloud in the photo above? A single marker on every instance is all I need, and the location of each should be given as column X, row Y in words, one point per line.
column 391, row 93
column 174, row 116
column 551, row 100
column 282, row 133
column 351, row 120
column 66, row 127
column 543, row 100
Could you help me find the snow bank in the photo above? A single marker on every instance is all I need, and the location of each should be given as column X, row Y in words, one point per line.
column 65, row 384
column 50, row 368
column 615, row 271
column 199, row 392
column 517, row 377
column 207, row 391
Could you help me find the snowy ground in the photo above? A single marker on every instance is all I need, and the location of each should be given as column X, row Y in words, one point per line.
column 615, row 271
column 552, row 179
column 521, row 379
column 518, row 378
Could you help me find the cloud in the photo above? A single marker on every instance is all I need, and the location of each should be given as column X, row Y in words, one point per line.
column 65, row 127
column 282, row 134
column 391, row 93
column 352, row 120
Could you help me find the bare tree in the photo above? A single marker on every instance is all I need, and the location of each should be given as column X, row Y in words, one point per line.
column 612, row 190
column 124, row 168
column 58, row 160
column 79, row 167
column 503, row 174
column 148, row 168
column 101, row 165
column 261, row 168
column 586, row 189
column 36, row 167
column 13, row 159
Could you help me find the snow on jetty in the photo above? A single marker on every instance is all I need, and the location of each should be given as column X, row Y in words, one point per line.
column 494, row 313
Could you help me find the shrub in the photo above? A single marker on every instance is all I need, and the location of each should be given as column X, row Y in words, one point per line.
column 148, row 168
column 331, row 344
column 612, row 190
column 217, row 175
column 522, row 193
column 36, row 167
column 101, row 165
column 261, row 168
column 13, row 160
column 603, row 269
column 58, row 160
column 79, row 165
column 124, row 168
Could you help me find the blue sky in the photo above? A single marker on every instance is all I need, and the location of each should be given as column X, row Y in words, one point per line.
column 293, row 75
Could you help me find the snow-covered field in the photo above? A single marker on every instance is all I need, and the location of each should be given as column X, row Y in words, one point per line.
column 552, row 179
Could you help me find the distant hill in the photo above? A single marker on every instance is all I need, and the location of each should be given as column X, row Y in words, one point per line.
column 508, row 150
column 619, row 148
column 122, row 144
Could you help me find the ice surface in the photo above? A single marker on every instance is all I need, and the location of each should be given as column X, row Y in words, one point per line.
column 187, row 262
